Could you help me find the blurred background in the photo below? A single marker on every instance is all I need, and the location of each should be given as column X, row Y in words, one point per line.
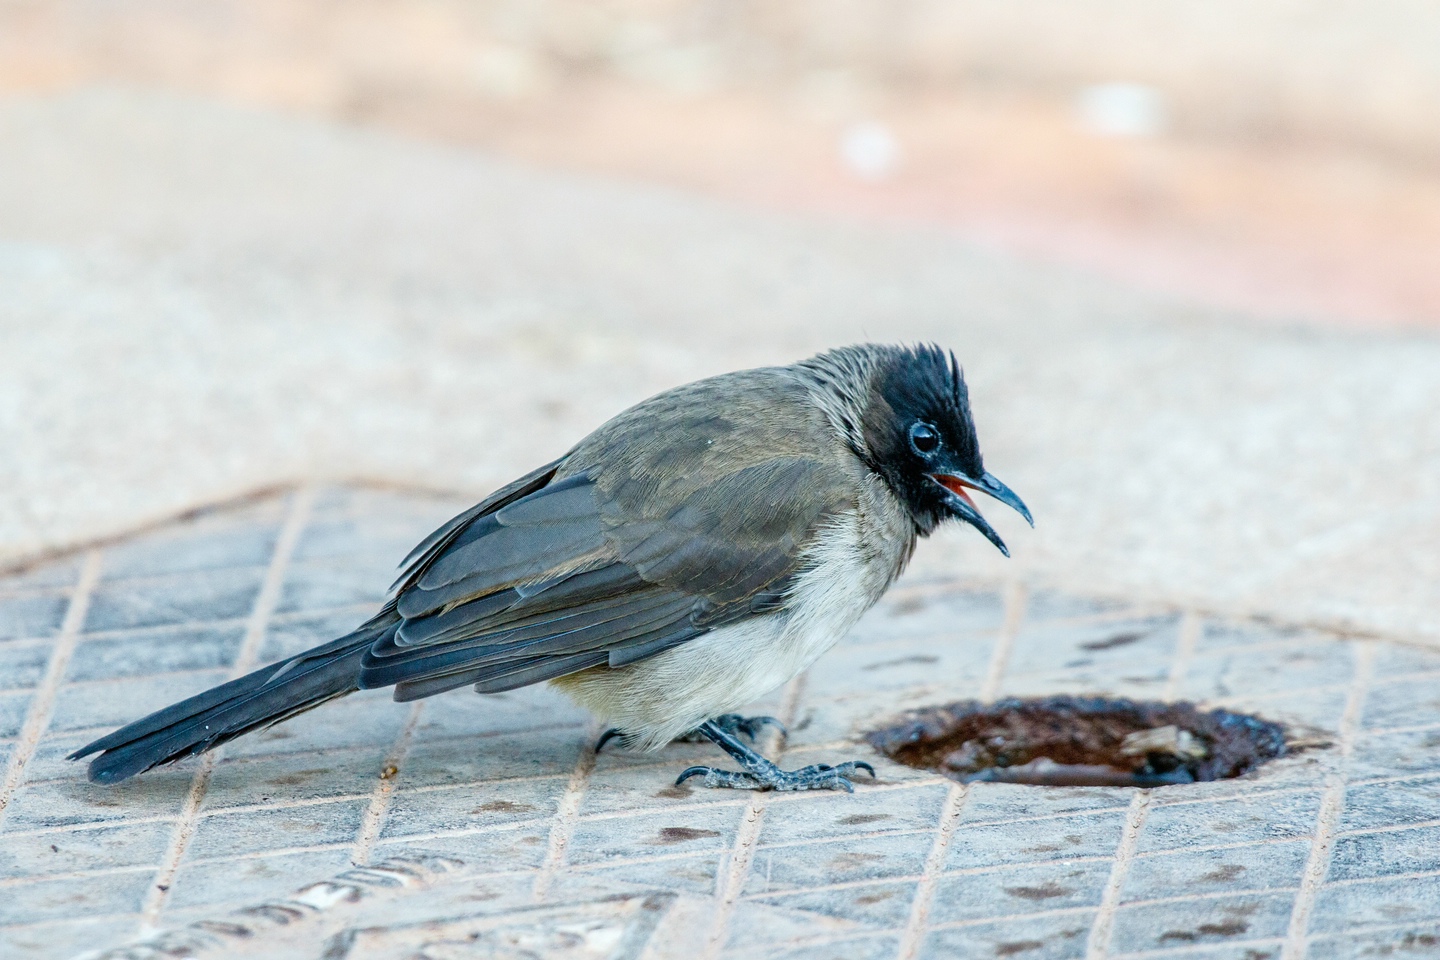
column 1188, row 252
column 1282, row 157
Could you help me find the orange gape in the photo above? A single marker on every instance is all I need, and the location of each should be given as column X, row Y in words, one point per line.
column 955, row 485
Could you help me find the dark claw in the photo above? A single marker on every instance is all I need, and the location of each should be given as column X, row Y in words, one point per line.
column 733, row 780
column 691, row 772
column 606, row 737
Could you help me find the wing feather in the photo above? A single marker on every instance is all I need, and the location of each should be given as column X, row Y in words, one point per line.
column 493, row 679
column 523, row 539
column 569, row 571
column 425, row 552
column 594, row 626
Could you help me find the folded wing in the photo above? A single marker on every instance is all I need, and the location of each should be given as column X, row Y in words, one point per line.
column 571, row 576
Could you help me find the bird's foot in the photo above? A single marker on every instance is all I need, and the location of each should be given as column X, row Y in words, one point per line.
column 761, row 774
column 731, row 723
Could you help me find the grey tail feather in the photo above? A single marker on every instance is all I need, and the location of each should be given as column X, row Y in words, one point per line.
column 259, row 699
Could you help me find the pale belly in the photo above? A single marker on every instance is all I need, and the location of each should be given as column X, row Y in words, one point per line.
column 658, row 699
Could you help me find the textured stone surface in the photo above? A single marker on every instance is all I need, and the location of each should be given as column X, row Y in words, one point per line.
column 512, row 834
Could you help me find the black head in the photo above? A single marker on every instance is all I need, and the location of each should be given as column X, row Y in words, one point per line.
column 919, row 435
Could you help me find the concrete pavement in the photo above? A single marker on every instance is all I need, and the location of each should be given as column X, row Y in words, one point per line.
column 470, row 826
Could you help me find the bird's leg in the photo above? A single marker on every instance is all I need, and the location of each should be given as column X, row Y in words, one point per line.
column 731, row 723
column 734, row 724
column 761, row 774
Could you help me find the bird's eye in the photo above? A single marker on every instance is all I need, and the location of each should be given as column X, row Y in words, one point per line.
column 924, row 438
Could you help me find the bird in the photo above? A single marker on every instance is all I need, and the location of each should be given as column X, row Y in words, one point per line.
column 692, row 554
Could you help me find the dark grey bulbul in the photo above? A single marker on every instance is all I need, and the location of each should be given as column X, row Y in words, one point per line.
column 689, row 556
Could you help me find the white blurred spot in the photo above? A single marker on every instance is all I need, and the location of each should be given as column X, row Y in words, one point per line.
column 1122, row 110
column 507, row 72
column 870, row 151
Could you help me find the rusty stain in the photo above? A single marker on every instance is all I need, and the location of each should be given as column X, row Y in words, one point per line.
column 1046, row 892
column 1227, row 929
column 1075, row 741
column 682, row 834
column 502, row 806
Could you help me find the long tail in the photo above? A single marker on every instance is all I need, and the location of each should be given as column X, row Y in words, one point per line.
column 222, row 713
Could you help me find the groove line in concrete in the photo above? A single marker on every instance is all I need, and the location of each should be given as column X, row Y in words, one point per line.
column 1331, row 805
column 42, row 702
column 302, row 502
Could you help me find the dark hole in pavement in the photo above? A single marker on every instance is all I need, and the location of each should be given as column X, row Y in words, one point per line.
column 1068, row 741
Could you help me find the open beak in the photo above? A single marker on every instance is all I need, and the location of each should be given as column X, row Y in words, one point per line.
column 959, row 502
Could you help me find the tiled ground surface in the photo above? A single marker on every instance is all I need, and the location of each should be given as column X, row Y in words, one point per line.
column 1334, row 851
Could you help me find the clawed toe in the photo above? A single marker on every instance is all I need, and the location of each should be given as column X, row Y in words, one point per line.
column 607, row 736
column 725, row 779
column 846, row 769
column 849, row 767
